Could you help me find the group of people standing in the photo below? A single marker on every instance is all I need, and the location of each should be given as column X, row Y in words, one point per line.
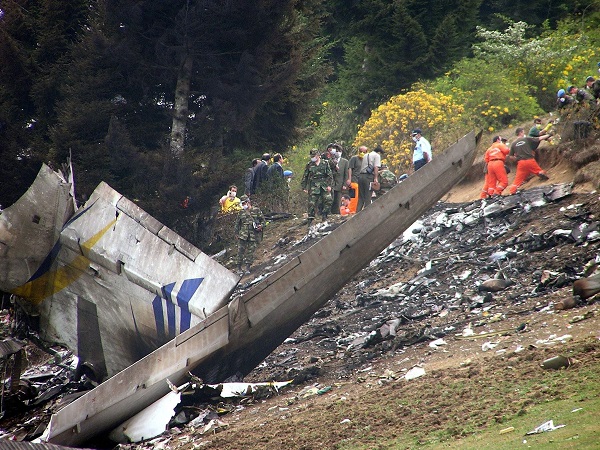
column 336, row 185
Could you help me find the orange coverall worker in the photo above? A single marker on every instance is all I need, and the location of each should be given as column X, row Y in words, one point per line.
column 496, row 179
column 524, row 150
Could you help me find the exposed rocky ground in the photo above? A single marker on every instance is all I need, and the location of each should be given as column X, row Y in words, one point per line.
column 477, row 294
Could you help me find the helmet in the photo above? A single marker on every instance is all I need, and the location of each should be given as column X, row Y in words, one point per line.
column 244, row 198
column 560, row 93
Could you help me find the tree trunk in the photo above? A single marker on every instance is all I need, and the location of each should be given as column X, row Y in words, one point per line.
column 180, row 112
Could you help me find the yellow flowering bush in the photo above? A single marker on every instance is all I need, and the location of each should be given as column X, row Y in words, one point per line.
column 390, row 124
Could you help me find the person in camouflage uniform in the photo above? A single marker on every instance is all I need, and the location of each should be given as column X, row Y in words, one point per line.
column 387, row 180
column 248, row 228
column 317, row 181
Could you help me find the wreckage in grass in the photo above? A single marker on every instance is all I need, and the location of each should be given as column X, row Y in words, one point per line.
column 140, row 305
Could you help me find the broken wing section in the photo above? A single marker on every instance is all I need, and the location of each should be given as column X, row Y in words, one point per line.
column 119, row 284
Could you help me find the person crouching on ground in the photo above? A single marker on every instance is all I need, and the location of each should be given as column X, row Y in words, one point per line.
column 249, row 230
column 345, row 209
column 523, row 151
column 496, row 179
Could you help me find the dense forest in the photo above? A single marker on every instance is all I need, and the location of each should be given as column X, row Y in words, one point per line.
column 168, row 99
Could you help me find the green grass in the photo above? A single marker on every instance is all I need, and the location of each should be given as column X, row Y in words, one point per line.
column 549, row 395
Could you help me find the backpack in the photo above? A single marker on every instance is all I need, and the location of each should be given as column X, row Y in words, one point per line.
column 387, row 179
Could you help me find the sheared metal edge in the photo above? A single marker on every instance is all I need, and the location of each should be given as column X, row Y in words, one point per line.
column 9, row 347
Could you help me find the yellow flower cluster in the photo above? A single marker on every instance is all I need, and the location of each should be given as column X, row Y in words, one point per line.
column 390, row 124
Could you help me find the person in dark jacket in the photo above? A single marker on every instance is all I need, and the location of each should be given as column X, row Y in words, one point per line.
column 249, row 178
column 260, row 172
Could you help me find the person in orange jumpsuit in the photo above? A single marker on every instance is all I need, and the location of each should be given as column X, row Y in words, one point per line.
column 523, row 151
column 496, row 179
column 345, row 209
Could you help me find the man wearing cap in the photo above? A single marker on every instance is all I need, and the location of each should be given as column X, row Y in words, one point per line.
column 563, row 100
column 387, row 180
column 422, row 152
column 248, row 228
column 369, row 173
column 523, row 151
column 316, row 182
column 592, row 86
column 581, row 96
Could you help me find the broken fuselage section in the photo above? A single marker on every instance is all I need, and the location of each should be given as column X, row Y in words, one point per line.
column 108, row 281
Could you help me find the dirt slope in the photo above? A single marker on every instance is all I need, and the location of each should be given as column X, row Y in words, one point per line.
column 350, row 369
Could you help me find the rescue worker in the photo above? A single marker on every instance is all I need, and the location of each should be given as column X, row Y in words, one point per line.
column 496, row 179
column 316, row 182
column 563, row 100
column 249, row 230
column 536, row 130
column 523, row 151
column 345, row 205
column 369, row 173
column 581, row 96
column 340, row 176
column 230, row 202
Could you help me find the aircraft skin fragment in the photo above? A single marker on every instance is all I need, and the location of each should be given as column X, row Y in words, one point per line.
column 30, row 227
column 237, row 337
column 146, row 284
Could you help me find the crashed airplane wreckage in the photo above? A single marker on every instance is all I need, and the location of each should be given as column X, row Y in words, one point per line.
column 115, row 285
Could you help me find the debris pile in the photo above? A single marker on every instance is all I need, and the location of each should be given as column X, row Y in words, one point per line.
column 474, row 263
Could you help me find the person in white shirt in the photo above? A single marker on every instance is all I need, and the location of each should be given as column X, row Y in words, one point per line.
column 422, row 152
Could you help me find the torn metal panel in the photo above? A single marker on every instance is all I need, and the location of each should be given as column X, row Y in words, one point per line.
column 30, row 227
column 148, row 423
column 9, row 347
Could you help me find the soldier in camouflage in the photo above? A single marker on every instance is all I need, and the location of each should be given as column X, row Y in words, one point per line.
column 387, row 180
column 317, row 181
column 248, row 228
